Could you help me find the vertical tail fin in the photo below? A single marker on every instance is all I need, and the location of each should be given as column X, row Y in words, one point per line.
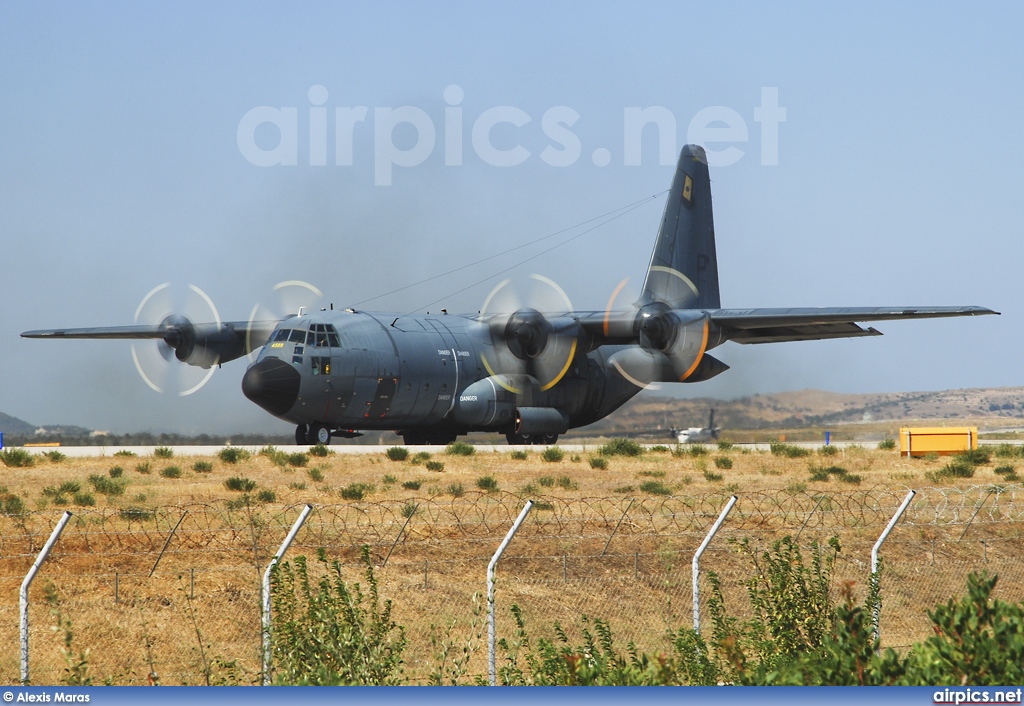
column 684, row 268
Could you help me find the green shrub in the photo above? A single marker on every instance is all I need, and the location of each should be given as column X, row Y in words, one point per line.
column 436, row 466
column 276, row 456
column 115, row 472
column 598, row 462
column 958, row 467
column 725, row 446
column 171, row 472
column 546, row 481
column 1008, row 450
column 11, row 504
column 136, row 514
column 552, row 454
column 655, row 487
column 624, row 489
column 298, row 459
column 163, row 452
column 16, row 458
column 55, row 456
column 779, row 448
column 660, row 449
column 320, row 450
column 976, row 457
column 723, row 462
column 356, row 491
column 411, row 485
column 419, row 457
column 232, row 454
column 105, row 485
column 652, row 474
column 541, row 505
column 144, row 467
column 456, row 490
column 397, row 453
column 316, row 474
column 240, row 484
column 887, row 444
column 408, row 510
column 824, row 473
column 327, row 632
column 266, row 496
column 520, row 455
column 460, row 448
column 828, row 450
column 488, row 483
column 621, row 447
column 297, row 486
column 84, row 499
column 697, row 450
column 712, row 477
column 125, row 452
column 566, row 483
column 202, row 467
column 388, row 479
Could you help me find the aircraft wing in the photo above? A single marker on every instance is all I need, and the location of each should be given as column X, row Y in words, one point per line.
column 197, row 344
column 124, row 332
column 813, row 324
column 257, row 331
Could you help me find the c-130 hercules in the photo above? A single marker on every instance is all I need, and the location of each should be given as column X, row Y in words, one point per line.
column 527, row 374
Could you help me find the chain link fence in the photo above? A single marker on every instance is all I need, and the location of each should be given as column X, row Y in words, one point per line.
column 191, row 614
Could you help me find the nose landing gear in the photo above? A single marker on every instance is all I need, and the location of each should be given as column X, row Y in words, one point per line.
column 315, row 433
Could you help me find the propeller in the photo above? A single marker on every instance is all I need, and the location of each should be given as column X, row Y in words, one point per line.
column 672, row 339
column 163, row 306
column 288, row 298
column 539, row 339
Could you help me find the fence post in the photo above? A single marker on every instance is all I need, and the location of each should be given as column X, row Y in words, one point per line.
column 266, row 590
column 612, row 536
column 977, row 509
column 167, row 544
column 395, row 543
column 696, row 562
column 23, row 595
column 492, row 670
column 874, row 556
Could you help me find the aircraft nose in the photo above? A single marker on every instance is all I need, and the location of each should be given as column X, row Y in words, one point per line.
column 272, row 384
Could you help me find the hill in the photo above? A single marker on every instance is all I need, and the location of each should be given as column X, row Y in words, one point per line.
column 999, row 406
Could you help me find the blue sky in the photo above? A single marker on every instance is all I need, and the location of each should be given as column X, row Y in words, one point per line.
column 899, row 166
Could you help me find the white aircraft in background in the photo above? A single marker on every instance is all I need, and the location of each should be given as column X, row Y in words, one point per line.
column 698, row 435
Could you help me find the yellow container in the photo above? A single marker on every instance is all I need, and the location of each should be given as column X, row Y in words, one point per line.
column 920, row 441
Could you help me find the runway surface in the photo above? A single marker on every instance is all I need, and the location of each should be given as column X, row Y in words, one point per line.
column 102, row 451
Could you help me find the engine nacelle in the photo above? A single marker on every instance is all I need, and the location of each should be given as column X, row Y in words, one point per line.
column 487, row 403
column 682, row 336
column 205, row 345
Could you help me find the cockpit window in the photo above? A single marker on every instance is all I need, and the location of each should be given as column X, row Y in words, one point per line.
column 322, row 336
column 297, row 336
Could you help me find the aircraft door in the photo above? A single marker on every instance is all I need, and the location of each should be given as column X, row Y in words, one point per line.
column 383, row 397
column 447, row 378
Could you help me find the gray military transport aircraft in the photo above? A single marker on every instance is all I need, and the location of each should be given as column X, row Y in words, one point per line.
column 528, row 374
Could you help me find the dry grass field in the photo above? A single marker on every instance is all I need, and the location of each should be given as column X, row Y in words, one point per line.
column 613, row 542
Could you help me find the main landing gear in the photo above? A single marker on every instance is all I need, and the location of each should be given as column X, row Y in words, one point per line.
column 527, row 439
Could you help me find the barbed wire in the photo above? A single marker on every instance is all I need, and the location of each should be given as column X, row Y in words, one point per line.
column 441, row 519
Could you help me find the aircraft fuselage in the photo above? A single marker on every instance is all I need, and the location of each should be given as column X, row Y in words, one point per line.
column 420, row 374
